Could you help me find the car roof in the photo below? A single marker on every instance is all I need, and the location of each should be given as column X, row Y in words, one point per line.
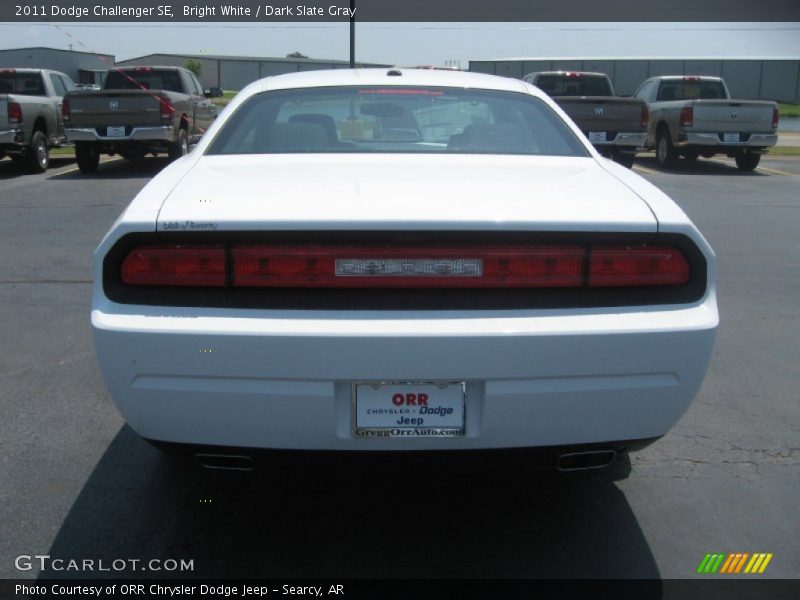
column 392, row 76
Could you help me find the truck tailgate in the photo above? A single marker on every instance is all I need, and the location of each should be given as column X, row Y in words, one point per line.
column 603, row 113
column 743, row 116
column 3, row 112
column 115, row 108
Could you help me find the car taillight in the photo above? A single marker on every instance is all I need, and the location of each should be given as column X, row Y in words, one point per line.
column 645, row 116
column 776, row 116
column 635, row 266
column 167, row 108
column 573, row 75
column 65, row 110
column 176, row 265
column 14, row 114
column 455, row 267
column 463, row 266
column 687, row 116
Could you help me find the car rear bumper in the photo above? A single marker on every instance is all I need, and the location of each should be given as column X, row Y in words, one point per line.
column 630, row 141
column 137, row 134
column 11, row 136
column 533, row 378
column 756, row 140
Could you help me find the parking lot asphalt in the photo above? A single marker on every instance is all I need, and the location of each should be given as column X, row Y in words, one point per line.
column 75, row 482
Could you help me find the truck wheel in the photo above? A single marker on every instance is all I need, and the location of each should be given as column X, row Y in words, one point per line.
column 748, row 161
column 665, row 151
column 87, row 156
column 624, row 158
column 37, row 155
column 180, row 147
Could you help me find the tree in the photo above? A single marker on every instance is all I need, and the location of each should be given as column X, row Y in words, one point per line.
column 296, row 55
column 195, row 66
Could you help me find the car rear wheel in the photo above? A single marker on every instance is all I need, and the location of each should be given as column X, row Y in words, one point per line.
column 180, row 147
column 748, row 161
column 665, row 151
column 87, row 156
column 37, row 156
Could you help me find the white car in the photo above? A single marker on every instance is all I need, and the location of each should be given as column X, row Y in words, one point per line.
column 402, row 259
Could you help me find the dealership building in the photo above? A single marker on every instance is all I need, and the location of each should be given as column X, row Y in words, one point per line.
column 235, row 72
column 752, row 78
column 82, row 67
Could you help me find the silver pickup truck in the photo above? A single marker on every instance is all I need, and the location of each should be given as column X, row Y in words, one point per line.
column 30, row 114
column 614, row 125
column 140, row 110
column 693, row 116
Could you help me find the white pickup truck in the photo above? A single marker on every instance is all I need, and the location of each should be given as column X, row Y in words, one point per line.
column 693, row 116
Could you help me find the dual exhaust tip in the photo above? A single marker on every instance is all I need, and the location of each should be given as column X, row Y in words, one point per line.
column 573, row 461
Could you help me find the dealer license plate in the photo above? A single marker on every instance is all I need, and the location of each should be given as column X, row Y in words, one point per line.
column 597, row 136
column 731, row 137
column 115, row 132
column 408, row 409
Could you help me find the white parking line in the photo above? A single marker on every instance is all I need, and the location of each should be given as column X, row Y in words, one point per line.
column 72, row 169
column 644, row 169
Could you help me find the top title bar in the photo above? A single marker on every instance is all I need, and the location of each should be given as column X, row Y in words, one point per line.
column 401, row 10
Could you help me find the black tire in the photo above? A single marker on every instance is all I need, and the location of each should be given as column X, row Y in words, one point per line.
column 87, row 157
column 665, row 151
column 624, row 158
column 37, row 156
column 180, row 147
column 747, row 161
column 2, row 155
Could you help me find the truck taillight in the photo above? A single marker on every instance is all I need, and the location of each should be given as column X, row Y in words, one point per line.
column 645, row 116
column 176, row 265
column 65, row 111
column 14, row 114
column 167, row 108
column 631, row 266
column 687, row 116
column 776, row 117
column 454, row 267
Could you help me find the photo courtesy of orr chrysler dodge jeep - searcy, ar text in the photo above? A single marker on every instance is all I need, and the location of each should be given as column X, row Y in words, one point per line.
column 402, row 259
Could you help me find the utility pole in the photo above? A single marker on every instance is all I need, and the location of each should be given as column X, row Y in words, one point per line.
column 352, row 34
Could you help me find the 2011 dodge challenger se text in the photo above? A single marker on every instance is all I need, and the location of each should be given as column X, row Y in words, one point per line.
column 393, row 260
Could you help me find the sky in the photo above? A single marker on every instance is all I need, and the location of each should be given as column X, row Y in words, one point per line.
column 418, row 43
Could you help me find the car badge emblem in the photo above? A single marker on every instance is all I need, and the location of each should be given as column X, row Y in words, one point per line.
column 599, row 111
column 734, row 114
column 113, row 105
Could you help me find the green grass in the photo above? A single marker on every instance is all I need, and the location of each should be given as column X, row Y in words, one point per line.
column 784, row 151
column 227, row 96
column 788, row 110
column 68, row 150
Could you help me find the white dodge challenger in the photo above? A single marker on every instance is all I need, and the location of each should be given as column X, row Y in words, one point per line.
column 393, row 260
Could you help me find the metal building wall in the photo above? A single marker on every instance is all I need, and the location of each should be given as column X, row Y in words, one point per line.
column 57, row 60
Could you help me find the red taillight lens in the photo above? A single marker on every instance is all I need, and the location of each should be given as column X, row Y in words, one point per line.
column 687, row 116
column 14, row 114
column 456, row 267
column 632, row 266
column 65, row 110
column 776, row 117
column 167, row 108
column 175, row 265
column 645, row 116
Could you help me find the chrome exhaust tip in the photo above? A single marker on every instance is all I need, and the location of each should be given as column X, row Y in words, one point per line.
column 584, row 461
column 225, row 462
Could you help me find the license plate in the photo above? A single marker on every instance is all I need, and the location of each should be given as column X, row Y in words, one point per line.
column 730, row 137
column 597, row 136
column 408, row 409
column 115, row 132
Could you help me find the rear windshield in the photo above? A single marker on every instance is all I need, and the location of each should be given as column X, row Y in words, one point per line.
column 135, row 79
column 29, row 84
column 691, row 90
column 395, row 120
column 575, row 85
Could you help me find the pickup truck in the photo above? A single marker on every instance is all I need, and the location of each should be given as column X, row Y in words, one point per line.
column 693, row 116
column 616, row 126
column 30, row 114
column 140, row 110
